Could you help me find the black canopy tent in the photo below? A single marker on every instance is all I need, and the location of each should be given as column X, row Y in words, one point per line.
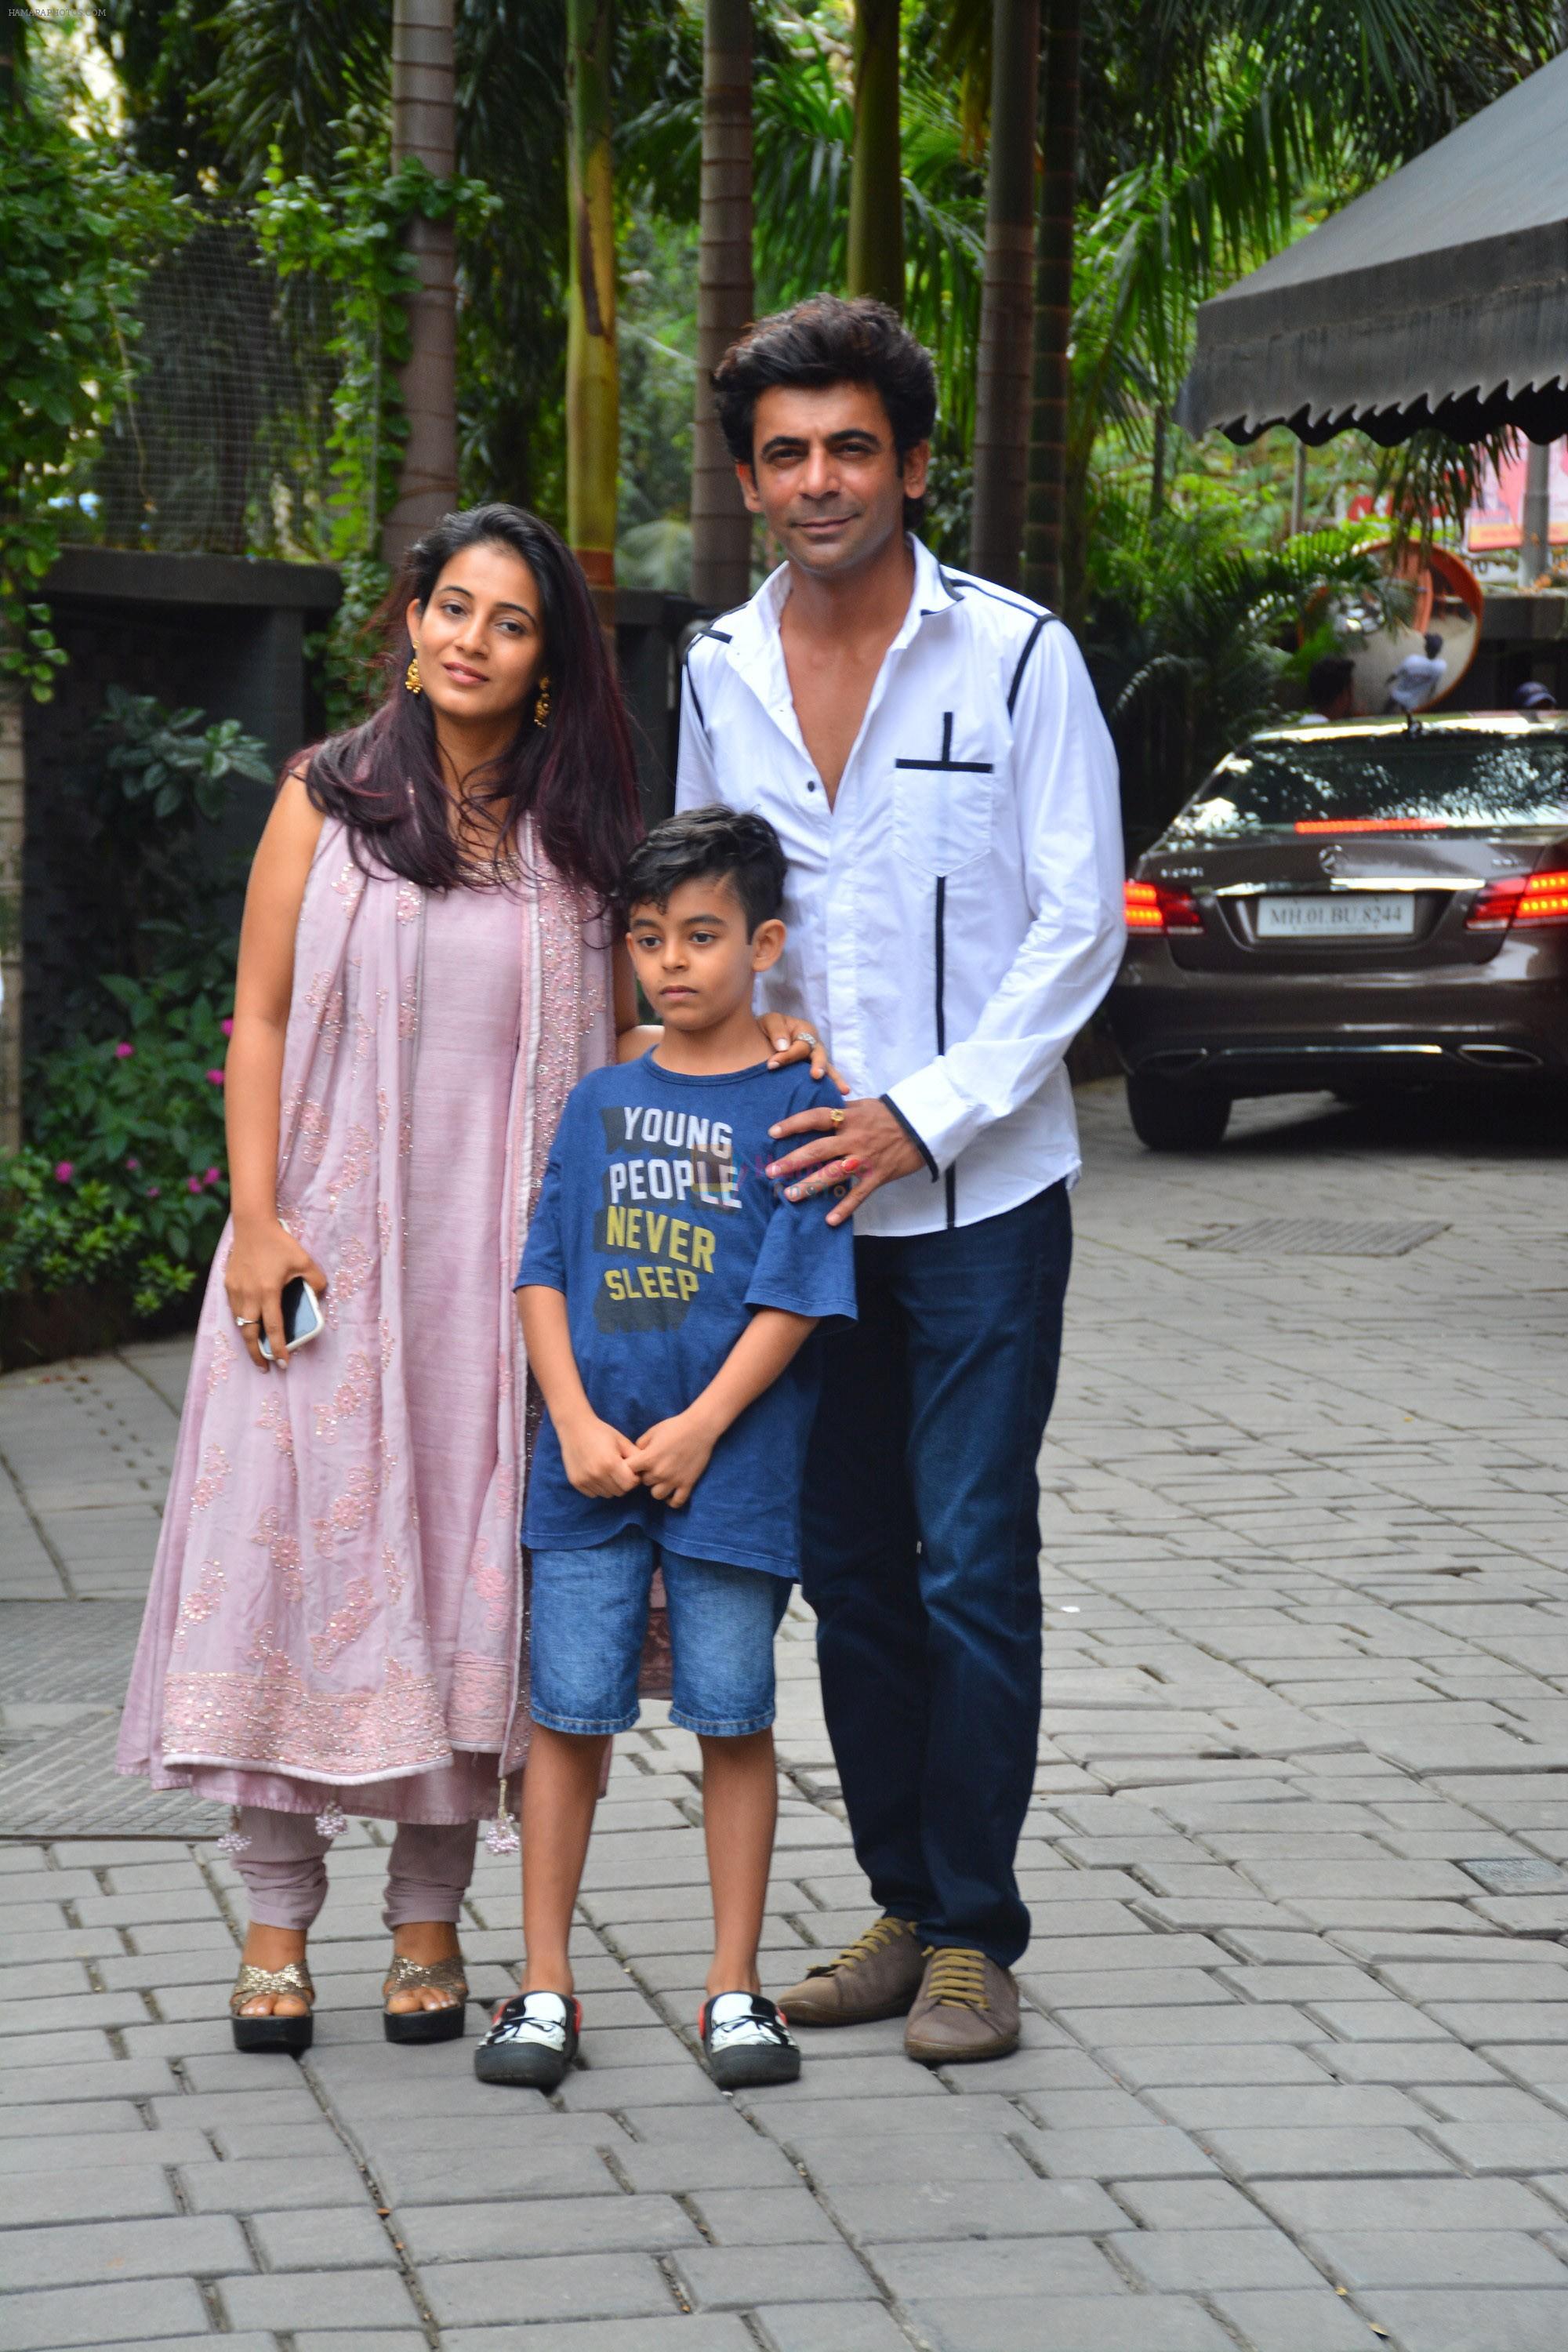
column 1440, row 298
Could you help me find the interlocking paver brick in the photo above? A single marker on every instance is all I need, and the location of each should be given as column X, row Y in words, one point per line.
column 323, row 2238
column 1425, row 2258
column 200, row 2245
column 288, row 2301
column 572, row 2225
column 611, row 2286
column 121, row 2192
column 1295, row 2319
column 1070, row 2324
column 1457, row 2319
column 42, row 2320
column 1196, row 2262
column 734, row 2278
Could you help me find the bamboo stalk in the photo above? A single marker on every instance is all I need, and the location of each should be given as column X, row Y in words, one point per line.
column 876, row 261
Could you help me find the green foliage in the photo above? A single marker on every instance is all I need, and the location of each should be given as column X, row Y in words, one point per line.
column 349, row 234
column 141, row 826
column 78, row 227
column 1193, row 636
column 123, row 1179
column 157, row 755
column 346, row 657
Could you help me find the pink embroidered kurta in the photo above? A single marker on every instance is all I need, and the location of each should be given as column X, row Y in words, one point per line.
column 337, row 1606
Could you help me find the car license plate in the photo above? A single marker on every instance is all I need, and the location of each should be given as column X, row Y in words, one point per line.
column 1348, row 915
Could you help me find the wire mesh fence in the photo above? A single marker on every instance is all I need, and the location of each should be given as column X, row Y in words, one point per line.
column 223, row 445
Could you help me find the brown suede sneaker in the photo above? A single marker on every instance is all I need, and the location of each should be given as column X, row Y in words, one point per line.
column 878, row 1975
column 966, row 2011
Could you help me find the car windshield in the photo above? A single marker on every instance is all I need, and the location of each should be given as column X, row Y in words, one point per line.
column 1393, row 783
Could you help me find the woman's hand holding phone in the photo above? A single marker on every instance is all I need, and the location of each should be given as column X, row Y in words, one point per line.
column 259, row 1264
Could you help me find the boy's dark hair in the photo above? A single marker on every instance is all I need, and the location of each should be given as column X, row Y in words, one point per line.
column 821, row 340
column 703, row 843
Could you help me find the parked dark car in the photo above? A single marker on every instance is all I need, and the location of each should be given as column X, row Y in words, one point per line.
column 1362, row 905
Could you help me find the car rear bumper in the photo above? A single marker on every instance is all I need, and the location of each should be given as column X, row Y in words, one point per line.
column 1265, row 1033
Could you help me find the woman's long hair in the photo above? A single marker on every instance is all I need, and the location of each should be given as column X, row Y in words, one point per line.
column 574, row 776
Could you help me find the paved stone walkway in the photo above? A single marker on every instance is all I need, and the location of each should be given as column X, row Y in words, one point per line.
column 1295, row 2074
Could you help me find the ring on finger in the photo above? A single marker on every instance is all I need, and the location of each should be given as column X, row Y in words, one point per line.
column 246, row 1322
column 837, row 1115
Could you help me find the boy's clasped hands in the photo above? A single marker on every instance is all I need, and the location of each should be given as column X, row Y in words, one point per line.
column 667, row 1459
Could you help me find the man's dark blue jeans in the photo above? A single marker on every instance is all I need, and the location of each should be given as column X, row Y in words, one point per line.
column 920, row 1557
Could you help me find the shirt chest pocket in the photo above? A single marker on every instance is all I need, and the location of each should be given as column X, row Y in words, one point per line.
column 944, row 800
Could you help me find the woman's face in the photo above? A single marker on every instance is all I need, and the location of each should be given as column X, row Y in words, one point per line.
column 481, row 638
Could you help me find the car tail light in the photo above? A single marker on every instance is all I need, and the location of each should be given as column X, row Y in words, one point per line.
column 1525, row 901
column 1151, row 906
column 1372, row 824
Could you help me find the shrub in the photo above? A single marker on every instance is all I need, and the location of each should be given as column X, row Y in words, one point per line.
column 123, row 1180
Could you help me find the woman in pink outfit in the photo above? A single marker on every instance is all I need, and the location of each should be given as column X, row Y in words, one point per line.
column 336, row 1621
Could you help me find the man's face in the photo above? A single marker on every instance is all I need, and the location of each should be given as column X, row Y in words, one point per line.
column 826, row 475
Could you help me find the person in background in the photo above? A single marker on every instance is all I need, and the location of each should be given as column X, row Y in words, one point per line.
column 1419, row 676
column 930, row 751
column 1331, row 691
column 1533, row 696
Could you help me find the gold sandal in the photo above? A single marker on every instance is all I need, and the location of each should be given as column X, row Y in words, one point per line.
column 292, row 2034
column 443, row 2024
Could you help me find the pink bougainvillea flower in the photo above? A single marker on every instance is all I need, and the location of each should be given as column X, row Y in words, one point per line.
column 64, row 1170
column 123, row 1052
column 227, row 1027
column 153, row 1191
column 193, row 1183
column 212, row 1176
column 133, row 1164
column 214, row 1077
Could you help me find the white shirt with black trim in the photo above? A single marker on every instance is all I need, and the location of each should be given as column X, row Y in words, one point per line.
column 955, row 917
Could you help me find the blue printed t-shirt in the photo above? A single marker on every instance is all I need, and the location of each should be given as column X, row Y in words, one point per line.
column 656, row 1221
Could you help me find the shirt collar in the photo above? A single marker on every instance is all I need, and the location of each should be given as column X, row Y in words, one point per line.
column 754, row 649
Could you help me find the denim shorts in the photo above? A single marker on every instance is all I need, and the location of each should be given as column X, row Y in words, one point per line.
column 588, row 1616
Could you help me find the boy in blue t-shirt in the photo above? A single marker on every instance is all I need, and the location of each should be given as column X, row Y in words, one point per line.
column 668, row 1291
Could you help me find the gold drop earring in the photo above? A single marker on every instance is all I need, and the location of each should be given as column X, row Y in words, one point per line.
column 541, row 705
column 411, row 676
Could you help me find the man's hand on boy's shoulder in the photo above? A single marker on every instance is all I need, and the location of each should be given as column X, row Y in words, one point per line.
column 671, row 1456
column 596, row 1459
column 860, row 1141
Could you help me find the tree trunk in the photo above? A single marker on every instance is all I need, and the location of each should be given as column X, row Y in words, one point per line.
column 1043, row 530
column 721, row 527
column 876, row 175
column 593, row 382
column 1008, row 304
column 1535, row 515
column 13, row 808
column 422, row 125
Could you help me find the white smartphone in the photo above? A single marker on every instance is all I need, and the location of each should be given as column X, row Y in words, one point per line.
column 302, row 1318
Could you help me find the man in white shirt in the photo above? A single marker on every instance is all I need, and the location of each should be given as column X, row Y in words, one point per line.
column 931, row 752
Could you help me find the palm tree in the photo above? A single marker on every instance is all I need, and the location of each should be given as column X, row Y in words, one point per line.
column 593, row 383
column 1006, row 314
column 1047, row 498
column 876, row 261
column 422, row 125
column 720, row 525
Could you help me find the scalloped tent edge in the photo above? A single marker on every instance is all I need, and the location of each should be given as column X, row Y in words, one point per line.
column 1439, row 297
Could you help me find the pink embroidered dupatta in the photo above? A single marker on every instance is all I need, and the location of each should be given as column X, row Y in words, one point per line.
column 285, row 1643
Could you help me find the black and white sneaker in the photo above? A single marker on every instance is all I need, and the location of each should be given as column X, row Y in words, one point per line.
column 746, row 2041
column 531, row 2041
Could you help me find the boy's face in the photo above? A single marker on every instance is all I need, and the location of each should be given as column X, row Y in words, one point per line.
column 693, row 959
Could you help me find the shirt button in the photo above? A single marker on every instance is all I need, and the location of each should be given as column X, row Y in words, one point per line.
column 811, row 784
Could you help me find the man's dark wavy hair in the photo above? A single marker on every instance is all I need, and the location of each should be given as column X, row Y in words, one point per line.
column 574, row 777
column 701, row 845
column 821, row 340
